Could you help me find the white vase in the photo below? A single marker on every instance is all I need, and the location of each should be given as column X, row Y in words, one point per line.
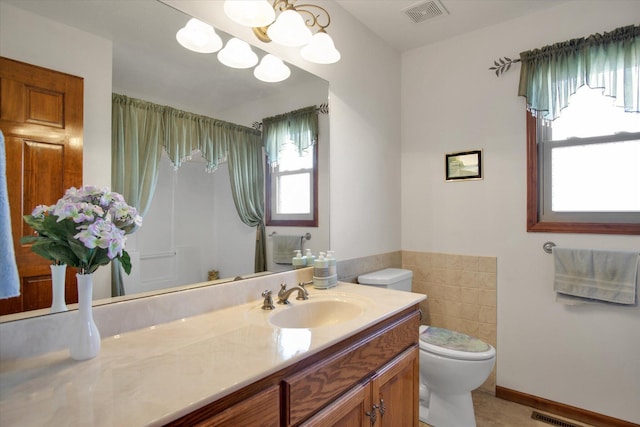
column 58, row 275
column 85, row 342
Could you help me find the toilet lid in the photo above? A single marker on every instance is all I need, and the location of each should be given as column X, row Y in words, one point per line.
column 454, row 344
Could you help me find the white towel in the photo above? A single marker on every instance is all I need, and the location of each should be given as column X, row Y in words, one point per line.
column 284, row 247
column 9, row 281
column 596, row 275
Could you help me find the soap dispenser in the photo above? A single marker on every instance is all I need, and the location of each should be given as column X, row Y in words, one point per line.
column 321, row 272
column 310, row 258
column 298, row 261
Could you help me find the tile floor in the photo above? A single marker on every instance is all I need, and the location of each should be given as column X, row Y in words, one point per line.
column 494, row 412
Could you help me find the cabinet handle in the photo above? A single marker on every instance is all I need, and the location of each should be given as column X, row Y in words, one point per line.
column 372, row 415
column 382, row 408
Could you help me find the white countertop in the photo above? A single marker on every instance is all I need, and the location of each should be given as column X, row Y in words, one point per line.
column 154, row 375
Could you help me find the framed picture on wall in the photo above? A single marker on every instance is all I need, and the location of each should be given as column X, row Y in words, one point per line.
column 462, row 166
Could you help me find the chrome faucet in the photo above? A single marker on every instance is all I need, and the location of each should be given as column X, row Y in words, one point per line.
column 284, row 294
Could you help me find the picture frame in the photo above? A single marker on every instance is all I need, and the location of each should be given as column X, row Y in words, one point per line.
column 463, row 166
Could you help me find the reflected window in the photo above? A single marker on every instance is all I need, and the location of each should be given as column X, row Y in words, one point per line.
column 292, row 188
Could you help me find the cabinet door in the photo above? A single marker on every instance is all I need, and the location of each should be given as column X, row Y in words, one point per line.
column 353, row 409
column 395, row 391
column 261, row 410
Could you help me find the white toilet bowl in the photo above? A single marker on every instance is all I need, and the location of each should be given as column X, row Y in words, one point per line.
column 451, row 366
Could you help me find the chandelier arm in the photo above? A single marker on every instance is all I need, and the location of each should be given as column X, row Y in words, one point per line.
column 282, row 5
column 311, row 23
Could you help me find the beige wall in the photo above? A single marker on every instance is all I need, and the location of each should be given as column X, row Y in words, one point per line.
column 461, row 294
column 463, row 105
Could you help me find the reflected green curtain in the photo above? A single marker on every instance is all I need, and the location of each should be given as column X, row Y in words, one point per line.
column 136, row 148
column 610, row 61
column 246, row 173
column 141, row 130
column 299, row 126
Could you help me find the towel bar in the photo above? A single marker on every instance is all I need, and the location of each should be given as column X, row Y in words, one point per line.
column 306, row 236
column 158, row 255
column 548, row 247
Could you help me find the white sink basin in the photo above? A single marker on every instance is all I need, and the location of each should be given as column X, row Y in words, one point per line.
column 316, row 313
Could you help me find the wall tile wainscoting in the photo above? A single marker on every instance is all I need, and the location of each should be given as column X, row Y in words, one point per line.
column 461, row 295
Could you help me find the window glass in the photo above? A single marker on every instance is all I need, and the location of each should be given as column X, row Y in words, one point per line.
column 596, row 177
column 588, row 166
column 293, row 194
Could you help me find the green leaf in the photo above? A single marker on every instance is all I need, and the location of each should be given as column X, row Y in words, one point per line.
column 125, row 260
column 28, row 239
column 100, row 257
column 80, row 250
column 43, row 247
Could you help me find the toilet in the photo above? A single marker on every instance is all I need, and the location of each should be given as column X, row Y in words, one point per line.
column 452, row 364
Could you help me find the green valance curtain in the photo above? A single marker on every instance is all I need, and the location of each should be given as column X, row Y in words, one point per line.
column 299, row 126
column 141, row 130
column 610, row 61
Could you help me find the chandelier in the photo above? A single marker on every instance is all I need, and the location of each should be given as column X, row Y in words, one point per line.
column 292, row 27
column 201, row 37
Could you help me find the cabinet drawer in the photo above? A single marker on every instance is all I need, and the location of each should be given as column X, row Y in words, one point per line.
column 313, row 388
column 261, row 410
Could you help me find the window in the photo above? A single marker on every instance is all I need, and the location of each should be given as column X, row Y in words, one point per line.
column 292, row 188
column 584, row 168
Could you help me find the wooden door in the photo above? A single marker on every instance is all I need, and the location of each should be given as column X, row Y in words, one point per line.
column 41, row 113
column 353, row 409
column 395, row 391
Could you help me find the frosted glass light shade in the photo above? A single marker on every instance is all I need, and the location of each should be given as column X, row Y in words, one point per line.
column 250, row 13
column 199, row 37
column 271, row 70
column 238, row 54
column 320, row 49
column 289, row 30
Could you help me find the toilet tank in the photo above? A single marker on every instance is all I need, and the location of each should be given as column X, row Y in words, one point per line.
column 391, row 278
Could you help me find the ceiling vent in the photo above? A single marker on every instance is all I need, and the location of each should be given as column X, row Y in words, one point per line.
column 426, row 10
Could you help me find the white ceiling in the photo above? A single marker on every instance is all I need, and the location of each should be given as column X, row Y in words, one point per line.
column 388, row 20
column 143, row 33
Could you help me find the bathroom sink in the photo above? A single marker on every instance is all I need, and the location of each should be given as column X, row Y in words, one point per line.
column 316, row 313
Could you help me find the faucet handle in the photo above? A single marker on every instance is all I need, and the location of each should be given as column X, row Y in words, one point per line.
column 268, row 301
column 304, row 294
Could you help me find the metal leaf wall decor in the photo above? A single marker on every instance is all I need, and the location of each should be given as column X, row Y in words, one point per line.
column 503, row 65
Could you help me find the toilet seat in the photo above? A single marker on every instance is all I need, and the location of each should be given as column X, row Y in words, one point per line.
column 455, row 345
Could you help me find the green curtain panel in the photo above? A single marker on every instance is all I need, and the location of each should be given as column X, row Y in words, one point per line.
column 141, row 130
column 299, row 126
column 610, row 61
column 246, row 173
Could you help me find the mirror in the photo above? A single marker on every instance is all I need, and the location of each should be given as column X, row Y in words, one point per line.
column 149, row 64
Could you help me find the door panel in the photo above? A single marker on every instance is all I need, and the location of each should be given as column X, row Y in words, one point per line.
column 395, row 391
column 41, row 116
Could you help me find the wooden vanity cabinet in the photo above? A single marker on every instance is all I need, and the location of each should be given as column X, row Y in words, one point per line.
column 389, row 399
column 370, row 379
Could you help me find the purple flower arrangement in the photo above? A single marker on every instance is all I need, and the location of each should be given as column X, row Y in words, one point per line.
column 85, row 229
